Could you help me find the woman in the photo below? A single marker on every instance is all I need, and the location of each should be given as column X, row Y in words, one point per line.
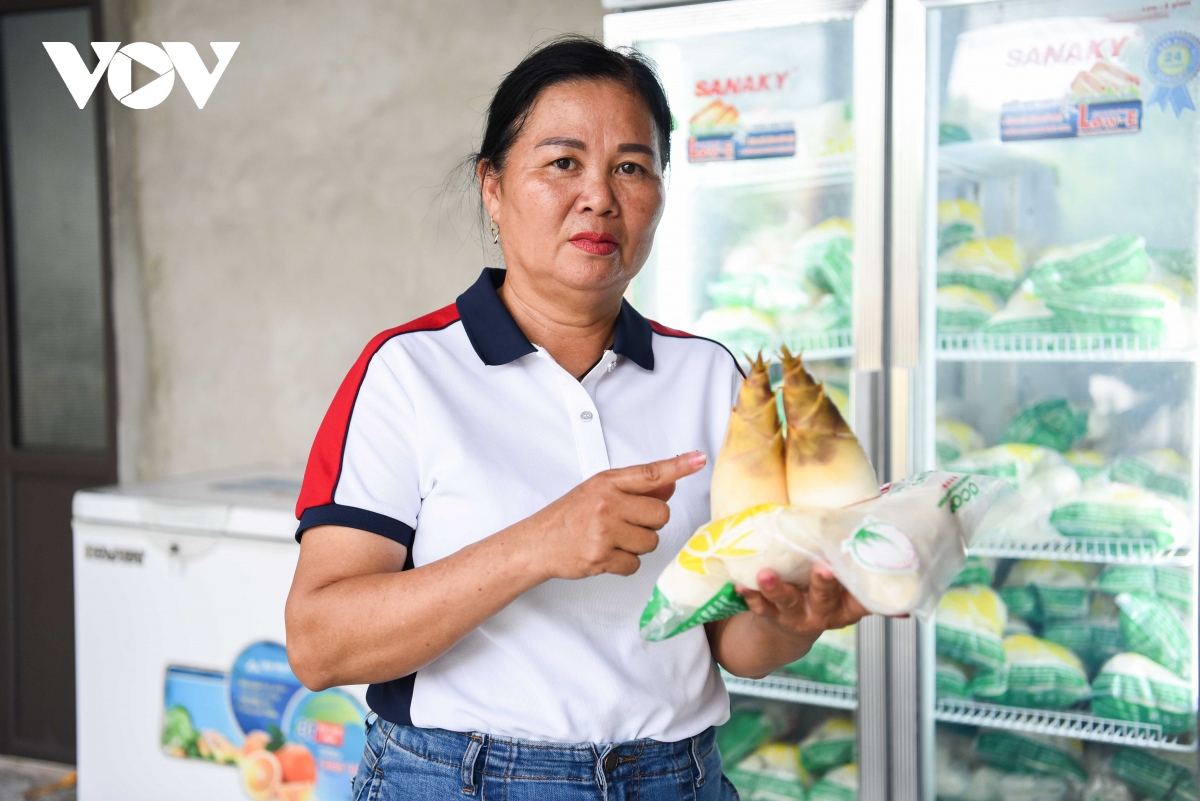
column 483, row 517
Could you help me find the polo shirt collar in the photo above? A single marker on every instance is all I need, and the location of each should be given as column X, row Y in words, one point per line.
column 497, row 339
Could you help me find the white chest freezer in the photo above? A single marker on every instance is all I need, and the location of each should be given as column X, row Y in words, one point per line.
column 184, row 689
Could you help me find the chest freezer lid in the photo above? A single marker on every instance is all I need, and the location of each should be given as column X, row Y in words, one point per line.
column 257, row 503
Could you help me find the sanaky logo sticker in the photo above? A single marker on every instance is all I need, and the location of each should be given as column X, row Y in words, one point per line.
column 103, row 553
column 164, row 61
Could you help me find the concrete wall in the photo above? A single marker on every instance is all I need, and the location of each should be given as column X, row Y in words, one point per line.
column 260, row 242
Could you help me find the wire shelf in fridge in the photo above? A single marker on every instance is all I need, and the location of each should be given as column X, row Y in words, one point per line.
column 1130, row 551
column 980, row 346
column 1062, row 724
column 814, row 346
column 800, row 691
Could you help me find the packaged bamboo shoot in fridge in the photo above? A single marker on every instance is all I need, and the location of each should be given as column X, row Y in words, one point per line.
column 830, row 745
column 1135, row 688
column 833, row 658
column 954, row 438
column 970, row 627
column 1054, row 423
column 1170, row 583
column 1097, row 262
column 1026, row 313
column 1044, row 589
column 992, row 266
column 1042, row 675
column 839, row 784
column 961, row 309
column 1157, row 775
column 1114, row 510
column 1153, row 629
column 748, row 728
column 1164, row 471
column 959, row 221
column 771, row 773
column 896, row 552
column 1032, row 753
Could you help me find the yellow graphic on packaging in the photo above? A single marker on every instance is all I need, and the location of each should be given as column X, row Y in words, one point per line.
column 722, row 539
column 959, row 209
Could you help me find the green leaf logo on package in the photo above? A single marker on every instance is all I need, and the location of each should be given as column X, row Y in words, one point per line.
column 881, row 546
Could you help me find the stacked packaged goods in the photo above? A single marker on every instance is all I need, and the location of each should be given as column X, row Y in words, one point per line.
column 768, row 758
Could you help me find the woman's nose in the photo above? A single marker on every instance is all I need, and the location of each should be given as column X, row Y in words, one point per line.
column 597, row 195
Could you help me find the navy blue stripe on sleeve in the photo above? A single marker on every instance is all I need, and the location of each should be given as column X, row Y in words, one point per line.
column 334, row 514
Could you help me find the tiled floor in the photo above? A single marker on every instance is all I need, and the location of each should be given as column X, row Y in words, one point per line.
column 19, row 775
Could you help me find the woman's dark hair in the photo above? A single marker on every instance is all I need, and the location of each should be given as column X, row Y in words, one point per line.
column 561, row 60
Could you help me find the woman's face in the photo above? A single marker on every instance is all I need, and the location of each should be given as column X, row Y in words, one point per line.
column 582, row 190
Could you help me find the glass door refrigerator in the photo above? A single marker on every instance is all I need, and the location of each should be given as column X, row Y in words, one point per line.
column 772, row 237
column 1043, row 209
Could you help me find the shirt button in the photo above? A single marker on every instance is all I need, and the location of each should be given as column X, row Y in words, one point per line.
column 610, row 761
column 585, row 416
column 611, row 365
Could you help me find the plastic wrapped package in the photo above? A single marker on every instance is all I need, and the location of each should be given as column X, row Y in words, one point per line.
column 1144, row 309
column 1086, row 462
column 744, row 329
column 896, row 553
column 839, row 784
column 1026, row 313
column 1152, row 629
column 1044, row 589
column 1169, row 583
column 1055, row 423
column 959, row 221
column 1032, row 753
column 1042, row 674
column 1106, row 787
column 1132, row 687
column 749, row 727
column 1097, row 262
column 830, row 745
column 771, row 773
column 1094, row 639
column 950, row 679
column 961, row 309
column 1015, row 463
column 1163, row 470
column 977, row 570
column 832, row 659
column 1114, row 510
column 827, row 314
column 970, row 625
column 1157, row 776
column 992, row 266
column 955, row 438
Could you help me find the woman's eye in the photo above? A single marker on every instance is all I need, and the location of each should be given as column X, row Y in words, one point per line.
column 629, row 168
column 563, row 163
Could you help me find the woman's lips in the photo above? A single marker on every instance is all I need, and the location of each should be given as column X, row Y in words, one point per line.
column 595, row 243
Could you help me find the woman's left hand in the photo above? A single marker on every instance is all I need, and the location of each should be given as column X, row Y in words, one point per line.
column 824, row 605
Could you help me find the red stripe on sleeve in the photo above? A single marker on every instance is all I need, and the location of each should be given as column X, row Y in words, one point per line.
column 325, row 459
column 662, row 330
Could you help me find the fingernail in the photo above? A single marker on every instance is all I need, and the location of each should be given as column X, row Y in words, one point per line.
column 769, row 581
column 697, row 459
column 823, row 571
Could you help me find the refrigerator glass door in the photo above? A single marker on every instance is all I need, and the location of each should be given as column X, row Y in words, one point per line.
column 771, row 238
column 1057, row 269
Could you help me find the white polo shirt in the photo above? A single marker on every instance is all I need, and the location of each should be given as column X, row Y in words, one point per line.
column 453, row 427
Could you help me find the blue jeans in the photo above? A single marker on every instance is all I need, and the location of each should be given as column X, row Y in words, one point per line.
column 404, row 762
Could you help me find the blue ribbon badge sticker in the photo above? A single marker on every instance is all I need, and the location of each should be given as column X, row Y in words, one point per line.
column 1171, row 62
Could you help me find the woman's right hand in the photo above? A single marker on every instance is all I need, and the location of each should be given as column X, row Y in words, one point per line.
column 608, row 521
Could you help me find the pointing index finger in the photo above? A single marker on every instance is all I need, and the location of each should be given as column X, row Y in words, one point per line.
column 643, row 478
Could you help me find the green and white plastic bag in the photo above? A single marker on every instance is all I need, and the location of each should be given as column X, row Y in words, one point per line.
column 1142, row 309
column 839, row 784
column 1171, row 584
column 970, row 626
column 1097, row 262
column 950, row 679
column 1014, row 463
column 1032, row 753
column 992, row 266
column 1087, row 463
column 959, row 221
column 977, row 570
column 830, row 745
column 1026, row 313
column 896, row 553
column 771, row 773
column 1156, row 775
column 1112, row 510
column 1133, row 687
column 1164, row 471
column 832, row 659
column 961, row 309
column 955, row 438
column 1042, row 674
column 1094, row 639
column 748, row 728
column 1153, row 629
column 1055, row 423
column 1042, row 589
